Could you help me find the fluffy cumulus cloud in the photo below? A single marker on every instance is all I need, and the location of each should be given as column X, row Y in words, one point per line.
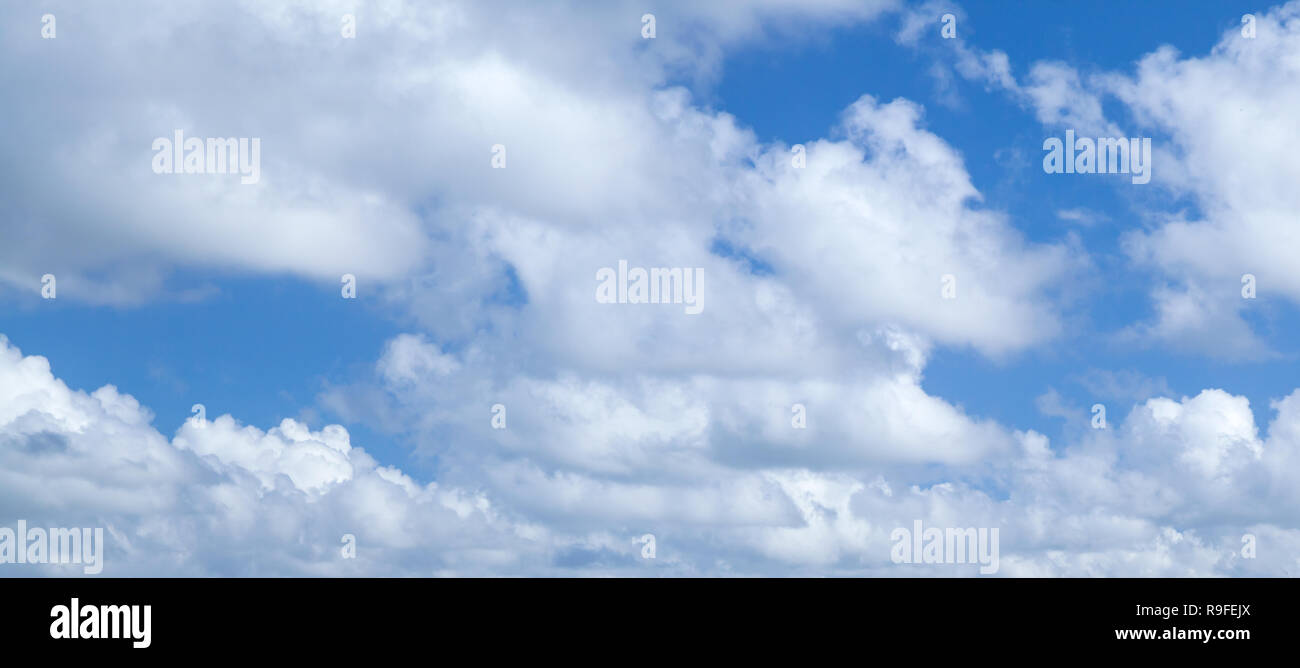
column 216, row 497
column 1233, row 152
column 822, row 301
column 358, row 137
column 1171, row 491
column 1223, row 143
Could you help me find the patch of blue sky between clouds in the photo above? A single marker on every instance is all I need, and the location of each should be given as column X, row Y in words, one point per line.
column 796, row 91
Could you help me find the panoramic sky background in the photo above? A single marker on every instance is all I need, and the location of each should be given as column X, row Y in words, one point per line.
column 372, row 416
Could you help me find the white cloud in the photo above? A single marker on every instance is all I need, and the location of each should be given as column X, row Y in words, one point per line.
column 623, row 419
column 358, row 136
column 221, row 498
column 1171, row 492
column 1233, row 152
column 1222, row 138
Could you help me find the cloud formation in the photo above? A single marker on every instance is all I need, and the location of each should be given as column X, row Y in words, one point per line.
column 824, row 291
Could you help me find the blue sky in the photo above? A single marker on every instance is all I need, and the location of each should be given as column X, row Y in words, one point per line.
column 260, row 347
column 795, row 93
column 474, row 281
column 243, row 349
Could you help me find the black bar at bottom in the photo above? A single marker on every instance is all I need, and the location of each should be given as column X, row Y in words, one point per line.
column 558, row 617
